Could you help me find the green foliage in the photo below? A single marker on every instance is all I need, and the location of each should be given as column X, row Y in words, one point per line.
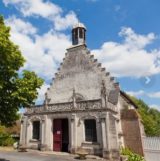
column 150, row 117
column 5, row 138
column 16, row 89
column 2, row 129
column 131, row 156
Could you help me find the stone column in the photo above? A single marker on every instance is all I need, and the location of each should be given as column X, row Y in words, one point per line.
column 105, row 137
column 44, row 133
column 72, row 134
column 29, row 130
column 112, row 137
column 23, row 131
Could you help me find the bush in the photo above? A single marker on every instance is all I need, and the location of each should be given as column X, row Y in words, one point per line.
column 6, row 140
column 131, row 156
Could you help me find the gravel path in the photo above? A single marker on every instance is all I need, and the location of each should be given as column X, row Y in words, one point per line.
column 38, row 156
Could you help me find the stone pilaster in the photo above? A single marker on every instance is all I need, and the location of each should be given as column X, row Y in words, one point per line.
column 43, row 134
column 23, row 133
column 29, row 129
column 73, row 133
column 104, row 138
column 112, row 138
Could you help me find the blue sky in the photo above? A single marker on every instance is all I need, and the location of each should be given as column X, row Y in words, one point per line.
column 123, row 35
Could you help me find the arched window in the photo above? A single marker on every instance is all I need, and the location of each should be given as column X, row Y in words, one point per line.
column 36, row 130
column 90, row 130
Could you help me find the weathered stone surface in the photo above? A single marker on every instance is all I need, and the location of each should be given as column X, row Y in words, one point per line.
column 81, row 90
column 81, row 73
column 132, row 131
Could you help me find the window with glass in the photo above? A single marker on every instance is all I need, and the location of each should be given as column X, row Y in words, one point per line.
column 90, row 130
column 36, row 130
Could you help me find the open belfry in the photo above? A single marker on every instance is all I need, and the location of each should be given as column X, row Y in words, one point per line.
column 84, row 108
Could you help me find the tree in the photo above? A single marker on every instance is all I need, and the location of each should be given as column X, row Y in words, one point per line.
column 17, row 89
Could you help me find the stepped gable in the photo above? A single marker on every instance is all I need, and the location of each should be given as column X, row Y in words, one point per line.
column 81, row 73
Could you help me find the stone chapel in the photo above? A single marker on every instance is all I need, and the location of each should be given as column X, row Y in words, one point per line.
column 83, row 108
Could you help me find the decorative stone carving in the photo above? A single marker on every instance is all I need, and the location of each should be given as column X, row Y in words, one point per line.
column 103, row 93
column 94, row 104
column 46, row 100
column 36, row 118
column 22, row 119
column 76, row 97
column 72, row 118
column 90, row 115
column 103, row 89
column 59, row 107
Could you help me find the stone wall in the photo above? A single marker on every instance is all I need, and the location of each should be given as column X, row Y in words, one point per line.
column 132, row 131
column 81, row 72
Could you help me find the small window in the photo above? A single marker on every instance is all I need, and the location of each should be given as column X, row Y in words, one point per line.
column 76, row 34
column 36, row 130
column 90, row 130
column 80, row 33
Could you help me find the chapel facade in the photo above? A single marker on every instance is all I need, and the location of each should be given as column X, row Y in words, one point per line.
column 84, row 108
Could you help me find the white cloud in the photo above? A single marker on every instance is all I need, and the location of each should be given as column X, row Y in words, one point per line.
column 143, row 93
column 68, row 20
column 154, row 95
column 135, row 41
column 41, row 93
column 136, row 93
column 42, row 52
column 45, row 9
column 35, row 7
column 21, row 26
column 130, row 57
column 155, row 106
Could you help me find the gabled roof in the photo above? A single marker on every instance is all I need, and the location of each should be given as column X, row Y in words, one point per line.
column 122, row 93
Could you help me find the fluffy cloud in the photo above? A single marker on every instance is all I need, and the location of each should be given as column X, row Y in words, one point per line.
column 143, row 93
column 35, row 7
column 41, row 93
column 45, row 9
column 136, row 93
column 42, row 52
column 130, row 57
column 155, row 106
column 154, row 95
column 61, row 23
column 19, row 26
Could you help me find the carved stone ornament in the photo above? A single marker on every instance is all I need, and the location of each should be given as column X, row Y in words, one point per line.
column 46, row 100
column 90, row 115
column 35, row 118
column 72, row 118
column 68, row 106
column 103, row 89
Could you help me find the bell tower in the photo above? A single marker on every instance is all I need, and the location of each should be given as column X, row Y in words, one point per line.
column 78, row 34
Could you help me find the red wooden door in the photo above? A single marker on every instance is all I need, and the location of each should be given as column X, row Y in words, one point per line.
column 57, row 135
